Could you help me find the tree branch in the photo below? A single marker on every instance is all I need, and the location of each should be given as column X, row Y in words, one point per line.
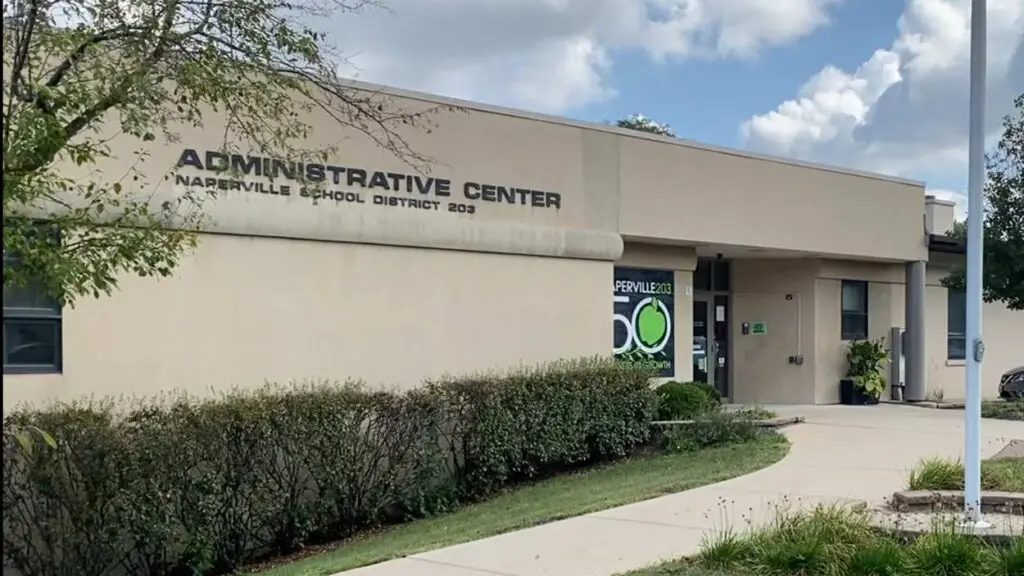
column 76, row 55
column 22, row 53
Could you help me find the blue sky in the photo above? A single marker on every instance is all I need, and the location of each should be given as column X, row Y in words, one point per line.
column 708, row 100
column 877, row 85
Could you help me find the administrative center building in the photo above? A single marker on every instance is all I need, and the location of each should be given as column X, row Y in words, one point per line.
column 527, row 239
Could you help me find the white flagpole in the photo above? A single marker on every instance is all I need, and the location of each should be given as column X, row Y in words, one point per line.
column 975, row 239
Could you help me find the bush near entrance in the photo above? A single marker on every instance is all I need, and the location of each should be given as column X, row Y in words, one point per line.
column 686, row 400
column 866, row 361
column 203, row 487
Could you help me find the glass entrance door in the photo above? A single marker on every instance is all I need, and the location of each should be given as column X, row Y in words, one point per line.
column 711, row 341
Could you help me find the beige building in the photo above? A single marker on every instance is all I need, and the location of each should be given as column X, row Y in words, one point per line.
column 531, row 238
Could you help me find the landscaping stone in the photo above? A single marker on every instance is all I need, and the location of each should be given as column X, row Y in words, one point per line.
column 1003, row 528
column 771, row 423
column 928, row 404
column 926, row 500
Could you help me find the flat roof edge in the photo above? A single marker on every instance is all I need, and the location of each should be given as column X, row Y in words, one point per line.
column 946, row 244
column 938, row 201
column 550, row 118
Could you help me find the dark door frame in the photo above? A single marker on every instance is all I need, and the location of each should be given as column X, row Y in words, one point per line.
column 709, row 297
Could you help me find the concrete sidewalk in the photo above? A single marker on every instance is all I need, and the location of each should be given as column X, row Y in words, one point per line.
column 840, row 453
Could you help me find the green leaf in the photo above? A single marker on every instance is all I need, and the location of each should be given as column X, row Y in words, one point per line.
column 253, row 68
column 1004, row 219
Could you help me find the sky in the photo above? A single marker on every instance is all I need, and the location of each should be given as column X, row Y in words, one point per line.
column 877, row 85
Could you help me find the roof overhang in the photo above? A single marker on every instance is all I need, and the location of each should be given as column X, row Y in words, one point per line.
column 946, row 244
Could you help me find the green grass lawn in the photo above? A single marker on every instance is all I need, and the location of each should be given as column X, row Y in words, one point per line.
column 560, row 497
column 1006, row 474
column 1003, row 409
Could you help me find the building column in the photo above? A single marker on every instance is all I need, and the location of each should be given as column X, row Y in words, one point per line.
column 915, row 351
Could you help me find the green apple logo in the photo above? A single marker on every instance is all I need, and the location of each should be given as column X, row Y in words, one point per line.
column 651, row 324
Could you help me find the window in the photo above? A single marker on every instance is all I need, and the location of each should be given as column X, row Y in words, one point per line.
column 711, row 275
column 32, row 329
column 956, row 325
column 855, row 310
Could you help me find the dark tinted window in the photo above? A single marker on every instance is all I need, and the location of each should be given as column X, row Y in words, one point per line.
column 712, row 275
column 702, row 275
column 956, row 325
column 32, row 329
column 854, row 310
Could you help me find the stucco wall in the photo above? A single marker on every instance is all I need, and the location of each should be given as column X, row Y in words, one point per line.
column 1001, row 329
column 243, row 310
column 605, row 179
column 887, row 306
column 780, row 293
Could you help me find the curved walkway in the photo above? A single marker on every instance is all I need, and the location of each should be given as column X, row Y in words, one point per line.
column 839, row 453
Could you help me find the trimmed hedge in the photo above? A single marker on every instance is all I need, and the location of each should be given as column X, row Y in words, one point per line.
column 192, row 486
column 686, row 400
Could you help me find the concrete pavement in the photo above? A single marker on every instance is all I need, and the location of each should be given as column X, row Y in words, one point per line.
column 839, row 453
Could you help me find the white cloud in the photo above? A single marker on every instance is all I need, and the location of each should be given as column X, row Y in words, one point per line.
column 905, row 110
column 551, row 55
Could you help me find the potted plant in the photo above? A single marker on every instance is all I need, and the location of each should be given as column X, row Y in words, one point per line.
column 865, row 375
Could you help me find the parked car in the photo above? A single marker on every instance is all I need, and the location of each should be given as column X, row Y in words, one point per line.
column 1011, row 384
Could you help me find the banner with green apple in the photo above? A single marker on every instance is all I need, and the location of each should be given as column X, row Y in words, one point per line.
column 643, row 318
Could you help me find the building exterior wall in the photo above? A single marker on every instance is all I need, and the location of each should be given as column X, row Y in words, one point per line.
column 781, row 294
column 887, row 307
column 499, row 250
column 688, row 194
column 245, row 310
column 606, row 179
column 1001, row 330
column 939, row 215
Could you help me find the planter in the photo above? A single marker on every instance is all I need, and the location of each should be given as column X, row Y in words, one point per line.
column 852, row 395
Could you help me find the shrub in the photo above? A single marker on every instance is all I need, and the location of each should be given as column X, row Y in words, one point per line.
column 936, row 474
column 756, row 413
column 883, row 557
column 685, row 400
column 1005, row 474
column 834, row 540
column 866, row 360
column 536, row 422
column 1003, row 409
column 708, row 430
column 61, row 506
column 822, row 540
column 185, row 486
column 1009, row 561
column 714, row 396
column 948, row 551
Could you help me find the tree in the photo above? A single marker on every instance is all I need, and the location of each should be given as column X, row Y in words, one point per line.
column 1004, row 218
column 645, row 124
column 76, row 69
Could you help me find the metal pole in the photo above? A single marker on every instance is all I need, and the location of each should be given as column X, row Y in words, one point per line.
column 975, row 238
